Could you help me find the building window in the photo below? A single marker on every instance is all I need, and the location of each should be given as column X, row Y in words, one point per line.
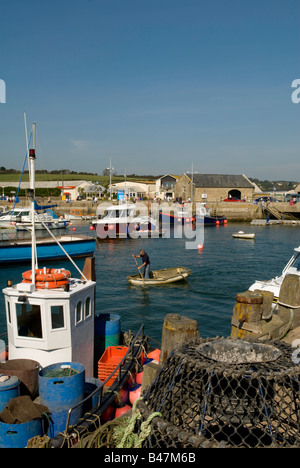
column 29, row 320
column 88, row 307
column 78, row 316
column 57, row 317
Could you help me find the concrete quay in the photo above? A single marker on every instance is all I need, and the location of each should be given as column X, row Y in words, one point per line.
column 233, row 211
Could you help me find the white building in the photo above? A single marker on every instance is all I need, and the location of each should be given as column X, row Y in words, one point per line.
column 134, row 190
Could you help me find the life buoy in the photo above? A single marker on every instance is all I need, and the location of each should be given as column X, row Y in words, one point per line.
column 51, row 284
column 47, row 278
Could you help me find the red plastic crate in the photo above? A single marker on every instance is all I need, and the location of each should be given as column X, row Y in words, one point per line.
column 109, row 361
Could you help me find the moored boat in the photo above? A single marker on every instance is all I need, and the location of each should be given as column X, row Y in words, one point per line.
column 243, row 235
column 203, row 216
column 177, row 215
column 20, row 218
column 273, row 285
column 160, row 277
column 48, row 248
column 124, row 220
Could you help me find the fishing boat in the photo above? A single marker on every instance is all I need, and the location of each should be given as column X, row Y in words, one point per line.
column 19, row 250
column 203, row 216
column 183, row 214
column 243, row 235
column 160, row 277
column 124, row 220
column 273, row 285
column 76, row 214
column 51, row 334
column 178, row 214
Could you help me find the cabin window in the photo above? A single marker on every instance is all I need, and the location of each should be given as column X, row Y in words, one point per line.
column 87, row 307
column 57, row 317
column 8, row 312
column 29, row 320
column 78, row 317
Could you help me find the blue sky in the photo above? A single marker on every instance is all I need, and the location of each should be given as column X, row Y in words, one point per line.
column 155, row 85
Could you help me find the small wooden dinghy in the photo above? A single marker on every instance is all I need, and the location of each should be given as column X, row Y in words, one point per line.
column 164, row 276
column 243, row 235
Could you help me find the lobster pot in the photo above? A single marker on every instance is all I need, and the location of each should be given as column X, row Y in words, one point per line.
column 9, row 388
column 62, row 386
column 17, row 435
column 107, row 332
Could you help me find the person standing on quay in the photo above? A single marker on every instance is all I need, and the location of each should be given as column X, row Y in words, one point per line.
column 146, row 263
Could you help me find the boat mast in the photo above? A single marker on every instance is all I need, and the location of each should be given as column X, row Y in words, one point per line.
column 31, row 195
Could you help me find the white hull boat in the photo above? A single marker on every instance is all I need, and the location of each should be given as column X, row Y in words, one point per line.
column 243, row 235
column 20, row 219
column 273, row 285
column 125, row 221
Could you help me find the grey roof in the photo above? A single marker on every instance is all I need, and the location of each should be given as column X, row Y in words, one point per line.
column 221, row 180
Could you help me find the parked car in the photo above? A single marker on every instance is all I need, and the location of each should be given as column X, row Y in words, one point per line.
column 233, row 199
column 265, row 199
column 80, row 197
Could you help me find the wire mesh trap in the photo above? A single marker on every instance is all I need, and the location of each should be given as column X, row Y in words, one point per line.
column 226, row 392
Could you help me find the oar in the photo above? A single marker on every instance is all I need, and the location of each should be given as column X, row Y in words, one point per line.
column 141, row 275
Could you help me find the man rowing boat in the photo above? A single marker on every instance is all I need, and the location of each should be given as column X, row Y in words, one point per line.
column 146, row 263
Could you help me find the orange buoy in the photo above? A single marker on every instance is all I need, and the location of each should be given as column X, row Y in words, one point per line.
column 134, row 393
column 154, row 354
column 139, row 377
column 120, row 411
column 122, row 396
column 108, row 414
column 3, row 356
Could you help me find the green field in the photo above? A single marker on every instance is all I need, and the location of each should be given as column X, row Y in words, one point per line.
column 102, row 180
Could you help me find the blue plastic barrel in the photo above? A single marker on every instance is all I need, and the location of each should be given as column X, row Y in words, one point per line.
column 17, row 435
column 60, row 392
column 107, row 332
column 9, row 389
column 91, row 384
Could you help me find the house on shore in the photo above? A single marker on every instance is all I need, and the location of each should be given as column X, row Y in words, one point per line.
column 165, row 186
column 214, row 187
column 129, row 190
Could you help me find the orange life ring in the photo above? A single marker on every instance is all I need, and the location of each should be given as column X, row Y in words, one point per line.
column 47, row 275
column 51, row 284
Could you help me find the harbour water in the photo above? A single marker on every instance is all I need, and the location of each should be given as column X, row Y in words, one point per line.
column 224, row 267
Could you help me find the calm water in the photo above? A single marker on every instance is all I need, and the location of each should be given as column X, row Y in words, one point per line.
column 224, row 267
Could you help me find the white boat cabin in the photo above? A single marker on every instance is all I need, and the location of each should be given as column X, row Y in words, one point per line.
column 51, row 325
